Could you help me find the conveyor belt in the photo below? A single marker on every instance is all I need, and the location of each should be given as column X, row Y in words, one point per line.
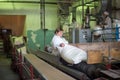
column 54, row 60
column 48, row 71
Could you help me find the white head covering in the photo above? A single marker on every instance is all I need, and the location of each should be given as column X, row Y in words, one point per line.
column 106, row 13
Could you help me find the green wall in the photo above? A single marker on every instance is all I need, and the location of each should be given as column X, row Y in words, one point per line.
column 35, row 35
column 39, row 39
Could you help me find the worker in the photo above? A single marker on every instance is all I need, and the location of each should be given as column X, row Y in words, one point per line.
column 58, row 40
column 107, row 27
column 74, row 23
column 68, row 51
column 73, row 27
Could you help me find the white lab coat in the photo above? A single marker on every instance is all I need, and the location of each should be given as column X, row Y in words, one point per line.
column 56, row 41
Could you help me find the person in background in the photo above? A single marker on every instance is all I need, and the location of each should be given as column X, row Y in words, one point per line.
column 72, row 29
column 74, row 23
column 107, row 26
column 107, row 20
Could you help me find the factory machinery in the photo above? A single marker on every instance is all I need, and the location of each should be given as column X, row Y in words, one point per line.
column 103, row 60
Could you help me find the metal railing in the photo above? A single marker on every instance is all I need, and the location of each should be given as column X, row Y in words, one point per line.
column 108, row 34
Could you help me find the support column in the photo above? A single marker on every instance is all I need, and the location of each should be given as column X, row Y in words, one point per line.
column 42, row 17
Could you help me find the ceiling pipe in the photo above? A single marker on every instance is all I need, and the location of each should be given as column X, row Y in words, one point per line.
column 89, row 2
column 37, row 2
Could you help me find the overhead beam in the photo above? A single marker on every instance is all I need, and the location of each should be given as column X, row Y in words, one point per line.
column 35, row 2
column 89, row 2
column 38, row 2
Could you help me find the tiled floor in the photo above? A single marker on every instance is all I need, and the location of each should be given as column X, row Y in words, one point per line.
column 5, row 71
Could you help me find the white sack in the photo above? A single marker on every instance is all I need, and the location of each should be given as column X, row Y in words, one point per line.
column 73, row 55
column 23, row 50
column 18, row 40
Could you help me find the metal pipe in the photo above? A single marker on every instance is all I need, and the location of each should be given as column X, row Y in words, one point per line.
column 36, row 2
column 111, row 58
column 43, row 19
column 82, row 13
column 86, row 3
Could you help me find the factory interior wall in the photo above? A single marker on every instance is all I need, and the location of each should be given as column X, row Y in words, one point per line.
column 32, row 26
column 37, row 38
column 51, row 17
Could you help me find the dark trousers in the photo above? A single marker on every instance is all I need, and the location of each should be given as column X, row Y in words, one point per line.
column 88, row 69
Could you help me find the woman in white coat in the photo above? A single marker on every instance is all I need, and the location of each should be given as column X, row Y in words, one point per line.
column 70, row 54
